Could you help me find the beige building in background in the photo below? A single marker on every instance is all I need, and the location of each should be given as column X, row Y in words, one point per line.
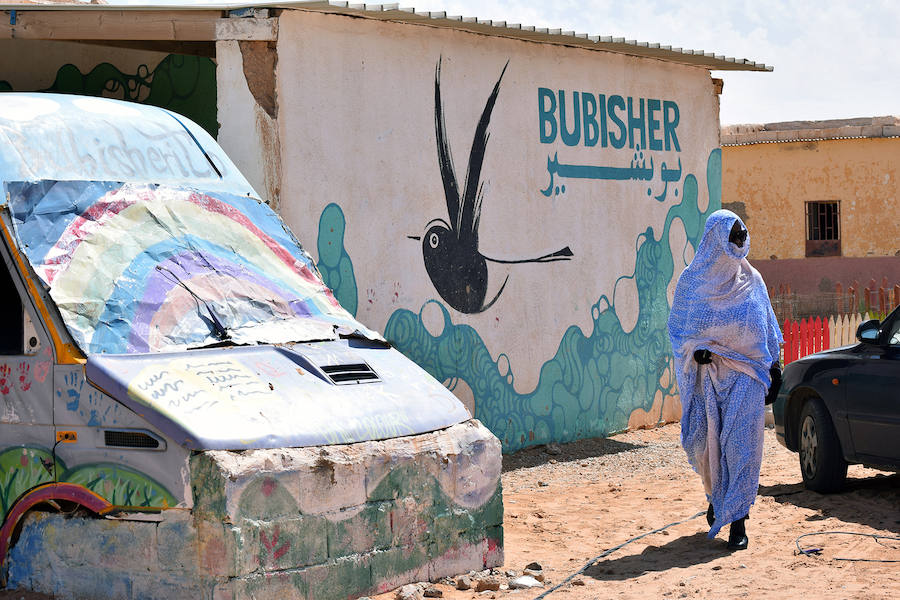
column 820, row 199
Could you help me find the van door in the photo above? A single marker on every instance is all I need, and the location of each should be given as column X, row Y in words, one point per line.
column 27, row 432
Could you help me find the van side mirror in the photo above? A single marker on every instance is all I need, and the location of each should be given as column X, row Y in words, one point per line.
column 868, row 331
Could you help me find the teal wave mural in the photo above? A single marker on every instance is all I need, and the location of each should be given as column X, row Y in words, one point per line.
column 593, row 383
column 183, row 84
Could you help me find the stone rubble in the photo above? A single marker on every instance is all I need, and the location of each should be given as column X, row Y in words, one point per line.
column 410, row 591
column 524, row 582
column 490, row 583
column 464, row 582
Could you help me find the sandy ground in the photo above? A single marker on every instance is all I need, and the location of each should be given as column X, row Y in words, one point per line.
column 566, row 507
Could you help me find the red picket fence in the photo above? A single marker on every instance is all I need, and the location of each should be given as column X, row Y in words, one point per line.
column 805, row 336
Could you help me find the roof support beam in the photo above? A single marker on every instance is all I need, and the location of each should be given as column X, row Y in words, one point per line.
column 207, row 49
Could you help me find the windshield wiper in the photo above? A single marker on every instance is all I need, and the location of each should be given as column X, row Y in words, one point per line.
column 218, row 329
column 347, row 334
column 196, row 141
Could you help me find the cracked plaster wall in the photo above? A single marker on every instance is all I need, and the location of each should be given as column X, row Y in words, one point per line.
column 248, row 113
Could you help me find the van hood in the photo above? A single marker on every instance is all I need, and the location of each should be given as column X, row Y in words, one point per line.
column 278, row 396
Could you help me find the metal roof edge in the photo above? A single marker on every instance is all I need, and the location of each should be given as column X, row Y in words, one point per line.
column 806, row 131
column 396, row 13
column 730, row 144
column 393, row 12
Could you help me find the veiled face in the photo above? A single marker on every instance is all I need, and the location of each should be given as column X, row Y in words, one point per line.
column 738, row 234
column 724, row 237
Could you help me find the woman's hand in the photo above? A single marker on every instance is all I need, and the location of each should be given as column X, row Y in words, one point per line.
column 703, row 356
column 775, row 372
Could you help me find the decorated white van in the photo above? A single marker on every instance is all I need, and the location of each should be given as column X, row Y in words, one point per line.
column 176, row 380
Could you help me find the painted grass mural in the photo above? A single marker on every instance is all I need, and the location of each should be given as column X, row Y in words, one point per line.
column 23, row 468
column 594, row 382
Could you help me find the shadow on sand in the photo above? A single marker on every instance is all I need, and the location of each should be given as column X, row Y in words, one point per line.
column 574, row 451
column 681, row 552
column 870, row 501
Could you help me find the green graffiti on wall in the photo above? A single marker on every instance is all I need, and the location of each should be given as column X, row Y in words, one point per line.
column 23, row 468
column 408, row 520
column 183, row 84
column 594, row 382
column 334, row 262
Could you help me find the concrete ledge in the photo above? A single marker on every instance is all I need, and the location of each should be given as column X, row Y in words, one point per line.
column 325, row 522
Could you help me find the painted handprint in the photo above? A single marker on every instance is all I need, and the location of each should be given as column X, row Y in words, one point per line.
column 42, row 369
column 5, row 383
column 87, row 402
column 94, row 406
column 24, row 384
column 71, row 393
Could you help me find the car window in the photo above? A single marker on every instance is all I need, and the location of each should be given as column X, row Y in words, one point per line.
column 11, row 327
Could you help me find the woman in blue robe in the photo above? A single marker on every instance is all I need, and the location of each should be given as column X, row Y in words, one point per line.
column 725, row 340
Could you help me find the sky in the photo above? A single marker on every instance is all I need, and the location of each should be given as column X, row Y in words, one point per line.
column 833, row 60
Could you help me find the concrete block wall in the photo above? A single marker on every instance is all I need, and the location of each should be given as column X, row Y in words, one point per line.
column 324, row 522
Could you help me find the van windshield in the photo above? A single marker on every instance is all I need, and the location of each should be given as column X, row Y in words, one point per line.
column 137, row 268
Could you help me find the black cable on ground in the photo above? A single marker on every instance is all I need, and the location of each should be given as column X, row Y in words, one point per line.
column 874, row 536
column 606, row 553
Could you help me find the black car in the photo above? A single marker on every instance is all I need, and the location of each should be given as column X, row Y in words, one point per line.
column 842, row 406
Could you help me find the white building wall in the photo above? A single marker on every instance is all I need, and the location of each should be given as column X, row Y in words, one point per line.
column 570, row 348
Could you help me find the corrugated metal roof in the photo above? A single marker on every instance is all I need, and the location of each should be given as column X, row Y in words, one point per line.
column 811, row 131
column 396, row 13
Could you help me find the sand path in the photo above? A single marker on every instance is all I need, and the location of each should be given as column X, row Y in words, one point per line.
column 564, row 509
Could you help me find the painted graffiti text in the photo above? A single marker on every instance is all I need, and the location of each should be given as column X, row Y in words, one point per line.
column 591, row 119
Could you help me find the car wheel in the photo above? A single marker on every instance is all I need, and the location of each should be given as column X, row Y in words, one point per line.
column 821, row 460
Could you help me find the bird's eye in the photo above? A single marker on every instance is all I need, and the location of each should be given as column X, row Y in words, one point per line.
column 433, row 240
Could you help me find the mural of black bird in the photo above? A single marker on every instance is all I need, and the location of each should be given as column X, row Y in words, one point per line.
column 457, row 269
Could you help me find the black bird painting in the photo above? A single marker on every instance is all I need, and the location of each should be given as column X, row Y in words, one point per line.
column 457, row 269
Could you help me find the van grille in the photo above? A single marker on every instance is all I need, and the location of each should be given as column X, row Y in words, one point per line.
column 130, row 439
column 346, row 374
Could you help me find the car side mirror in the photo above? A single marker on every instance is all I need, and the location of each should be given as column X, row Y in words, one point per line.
column 868, row 331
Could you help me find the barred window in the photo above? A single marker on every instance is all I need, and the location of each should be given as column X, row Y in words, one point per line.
column 823, row 228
